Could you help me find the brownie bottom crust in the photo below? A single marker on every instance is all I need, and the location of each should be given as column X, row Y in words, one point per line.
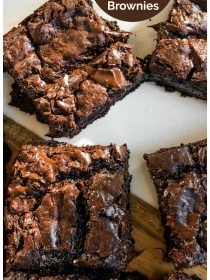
column 185, row 88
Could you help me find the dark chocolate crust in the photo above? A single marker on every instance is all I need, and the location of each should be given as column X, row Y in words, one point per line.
column 76, row 276
column 179, row 61
column 180, row 175
column 180, row 276
column 70, row 66
column 67, row 208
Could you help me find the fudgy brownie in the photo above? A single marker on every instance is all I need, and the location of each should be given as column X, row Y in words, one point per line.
column 68, row 207
column 76, row 100
column 181, row 64
column 121, row 276
column 69, row 65
column 179, row 61
column 180, row 276
column 185, row 19
column 180, row 175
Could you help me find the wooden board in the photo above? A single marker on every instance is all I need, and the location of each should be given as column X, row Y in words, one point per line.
column 146, row 221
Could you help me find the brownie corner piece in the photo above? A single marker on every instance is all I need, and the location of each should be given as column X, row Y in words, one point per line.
column 179, row 175
column 62, row 201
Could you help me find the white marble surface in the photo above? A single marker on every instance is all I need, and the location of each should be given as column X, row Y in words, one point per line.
column 147, row 119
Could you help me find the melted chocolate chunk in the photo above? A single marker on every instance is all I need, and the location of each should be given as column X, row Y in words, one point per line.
column 179, row 175
column 61, row 202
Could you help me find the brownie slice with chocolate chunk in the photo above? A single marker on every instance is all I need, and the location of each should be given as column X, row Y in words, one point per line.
column 68, row 208
column 181, row 64
column 69, row 65
column 77, row 99
column 180, row 276
column 180, row 175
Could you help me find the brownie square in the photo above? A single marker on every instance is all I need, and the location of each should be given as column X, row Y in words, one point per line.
column 187, row 18
column 181, row 64
column 179, row 175
column 70, row 66
column 72, row 102
column 179, row 61
column 67, row 208
column 180, row 276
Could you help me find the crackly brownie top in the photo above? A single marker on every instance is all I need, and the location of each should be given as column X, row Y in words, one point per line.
column 61, row 203
column 186, row 18
column 58, row 35
column 181, row 58
column 179, row 175
column 66, row 102
column 180, row 276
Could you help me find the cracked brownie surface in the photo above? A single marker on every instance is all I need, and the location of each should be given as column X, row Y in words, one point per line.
column 187, row 18
column 68, row 207
column 77, row 99
column 70, row 66
column 179, row 61
column 179, row 175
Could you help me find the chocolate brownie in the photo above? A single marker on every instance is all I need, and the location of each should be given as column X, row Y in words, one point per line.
column 179, row 61
column 181, row 64
column 121, row 276
column 68, row 207
column 69, row 65
column 180, row 276
column 185, row 19
column 76, row 100
column 180, row 175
